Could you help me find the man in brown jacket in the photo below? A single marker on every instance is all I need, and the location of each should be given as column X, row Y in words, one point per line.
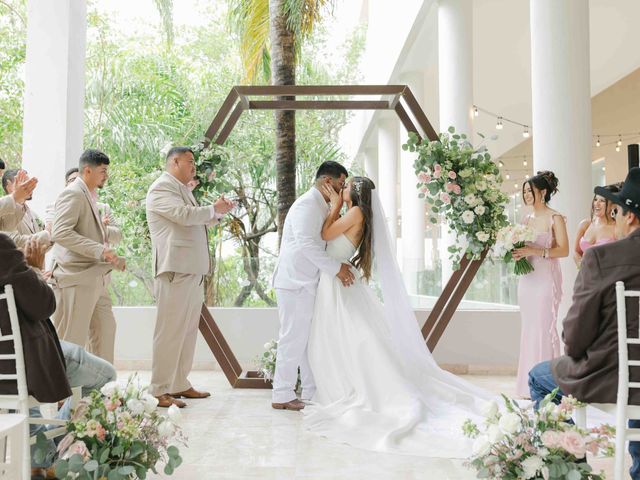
column 589, row 368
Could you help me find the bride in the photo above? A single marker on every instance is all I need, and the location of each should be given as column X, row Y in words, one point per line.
column 378, row 386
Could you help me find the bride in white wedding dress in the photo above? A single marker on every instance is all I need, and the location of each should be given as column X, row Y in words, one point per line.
column 378, row 386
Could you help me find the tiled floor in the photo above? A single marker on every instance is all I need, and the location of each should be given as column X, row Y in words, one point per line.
column 236, row 434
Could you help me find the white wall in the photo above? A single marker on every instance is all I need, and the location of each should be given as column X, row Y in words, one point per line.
column 477, row 341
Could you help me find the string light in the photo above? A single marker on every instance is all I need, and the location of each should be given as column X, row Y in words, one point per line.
column 499, row 124
column 617, row 148
column 524, row 162
column 526, row 176
column 507, row 176
column 619, row 141
column 598, row 141
column 500, row 164
column 515, row 185
column 526, row 134
column 500, row 120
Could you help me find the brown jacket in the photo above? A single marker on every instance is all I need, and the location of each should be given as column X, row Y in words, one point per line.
column 35, row 302
column 589, row 368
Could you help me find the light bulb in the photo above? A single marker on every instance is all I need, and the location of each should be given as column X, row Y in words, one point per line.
column 475, row 111
column 598, row 141
column 499, row 124
column 524, row 163
column 507, row 176
column 619, row 140
column 618, row 148
column 515, row 185
column 500, row 164
column 604, row 169
column 525, row 134
column 526, row 176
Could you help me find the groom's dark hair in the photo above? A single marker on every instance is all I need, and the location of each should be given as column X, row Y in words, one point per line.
column 331, row 169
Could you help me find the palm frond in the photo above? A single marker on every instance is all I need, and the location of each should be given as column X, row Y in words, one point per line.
column 250, row 20
column 165, row 9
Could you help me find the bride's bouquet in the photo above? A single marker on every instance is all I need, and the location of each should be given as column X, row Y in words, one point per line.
column 510, row 238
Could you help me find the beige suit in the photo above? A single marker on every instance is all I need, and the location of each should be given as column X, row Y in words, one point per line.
column 178, row 227
column 84, row 313
column 11, row 213
column 30, row 226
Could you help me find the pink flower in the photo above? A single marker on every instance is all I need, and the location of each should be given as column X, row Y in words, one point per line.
column 66, row 442
column 550, row 439
column 424, row 177
column 437, row 167
column 437, row 173
column 445, row 197
column 212, row 175
column 593, row 447
column 456, row 189
column 573, row 443
column 424, row 190
column 452, row 175
column 79, row 448
column 449, row 187
column 111, row 405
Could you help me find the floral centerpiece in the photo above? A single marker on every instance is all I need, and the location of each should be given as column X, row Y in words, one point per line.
column 116, row 434
column 509, row 238
column 519, row 443
column 267, row 363
column 463, row 184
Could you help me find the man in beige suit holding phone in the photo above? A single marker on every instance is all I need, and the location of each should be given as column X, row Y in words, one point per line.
column 178, row 227
column 82, row 260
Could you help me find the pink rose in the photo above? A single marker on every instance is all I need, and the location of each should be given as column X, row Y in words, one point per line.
column 573, row 443
column 79, row 448
column 437, row 168
column 437, row 173
column 111, row 405
column 456, row 189
column 550, row 439
column 423, row 177
column 66, row 442
column 423, row 190
column 449, row 187
column 445, row 197
column 452, row 175
column 593, row 447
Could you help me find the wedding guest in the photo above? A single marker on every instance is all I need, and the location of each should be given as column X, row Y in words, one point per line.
column 31, row 225
column 589, row 368
column 82, row 260
column 12, row 206
column 52, row 366
column 3, row 166
column 599, row 228
column 178, row 227
column 540, row 292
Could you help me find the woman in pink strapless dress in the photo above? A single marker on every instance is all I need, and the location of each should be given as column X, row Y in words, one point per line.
column 540, row 292
column 597, row 230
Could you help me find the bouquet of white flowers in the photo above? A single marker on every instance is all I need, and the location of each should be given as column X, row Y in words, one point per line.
column 519, row 444
column 510, row 238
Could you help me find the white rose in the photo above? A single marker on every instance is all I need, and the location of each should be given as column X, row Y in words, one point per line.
column 509, row 423
column 479, row 210
column 109, row 389
column 267, row 345
column 166, row 429
column 490, row 409
column 135, row 406
column 150, row 402
column 531, row 466
column 470, row 199
column 481, row 446
column 494, row 433
column 481, row 185
column 482, row 236
column 175, row 415
column 468, row 216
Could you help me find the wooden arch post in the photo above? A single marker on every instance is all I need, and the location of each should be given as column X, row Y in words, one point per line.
column 398, row 98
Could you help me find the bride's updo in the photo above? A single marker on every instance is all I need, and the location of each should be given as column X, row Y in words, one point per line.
column 361, row 196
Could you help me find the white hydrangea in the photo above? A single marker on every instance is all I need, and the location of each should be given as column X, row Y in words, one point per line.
column 468, row 216
column 510, row 423
column 531, row 466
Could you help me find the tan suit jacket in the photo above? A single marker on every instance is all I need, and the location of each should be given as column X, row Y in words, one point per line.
column 10, row 213
column 178, row 227
column 79, row 237
column 30, row 226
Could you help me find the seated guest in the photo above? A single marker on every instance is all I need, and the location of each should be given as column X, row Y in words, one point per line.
column 52, row 366
column 12, row 206
column 589, row 368
column 31, row 226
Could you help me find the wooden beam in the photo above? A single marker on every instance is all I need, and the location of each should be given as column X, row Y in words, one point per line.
column 318, row 105
column 293, row 90
column 218, row 120
column 231, row 122
column 419, row 115
column 219, row 346
column 406, row 120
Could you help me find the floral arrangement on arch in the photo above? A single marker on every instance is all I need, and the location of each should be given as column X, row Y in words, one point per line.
column 522, row 444
column 117, row 434
column 211, row 167
column 462, row 184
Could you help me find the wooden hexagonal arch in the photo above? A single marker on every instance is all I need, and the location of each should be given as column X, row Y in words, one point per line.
column 398, row 98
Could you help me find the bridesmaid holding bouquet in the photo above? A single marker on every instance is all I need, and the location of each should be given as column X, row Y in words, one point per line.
column 540, row 292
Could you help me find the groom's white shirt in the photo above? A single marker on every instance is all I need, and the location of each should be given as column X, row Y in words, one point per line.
column 302, row 250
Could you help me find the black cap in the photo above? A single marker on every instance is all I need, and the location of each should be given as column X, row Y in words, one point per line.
column 629, row 195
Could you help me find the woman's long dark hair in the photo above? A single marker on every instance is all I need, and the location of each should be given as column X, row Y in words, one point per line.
column 545, row 180
column 361, row 196
column 613, row 188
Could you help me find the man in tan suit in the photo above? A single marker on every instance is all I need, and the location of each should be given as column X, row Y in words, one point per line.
column 12, row 206
column 82, row 260
column 31, row 226
column 178, row 227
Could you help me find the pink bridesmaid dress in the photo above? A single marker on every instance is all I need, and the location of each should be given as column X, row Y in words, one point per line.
column 585, row 245
column 539, row 295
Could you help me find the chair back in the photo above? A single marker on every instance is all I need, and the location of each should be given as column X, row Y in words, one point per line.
column 20, row 401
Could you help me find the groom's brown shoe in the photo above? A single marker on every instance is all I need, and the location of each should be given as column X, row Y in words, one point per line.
column 295, row 405
column 191, row 393
column 166, row 400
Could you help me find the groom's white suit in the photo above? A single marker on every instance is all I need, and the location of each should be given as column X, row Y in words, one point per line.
column 302, row 257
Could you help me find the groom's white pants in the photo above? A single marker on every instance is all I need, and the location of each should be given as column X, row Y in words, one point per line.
column 295, row 309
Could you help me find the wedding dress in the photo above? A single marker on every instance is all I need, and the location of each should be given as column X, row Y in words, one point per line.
column 378, row 386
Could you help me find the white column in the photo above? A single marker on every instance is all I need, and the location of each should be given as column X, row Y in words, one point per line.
column 371, row 164
column 412, row 208
column 561, row 107
column 388, row 171
column 54, row 93
column 455, row 82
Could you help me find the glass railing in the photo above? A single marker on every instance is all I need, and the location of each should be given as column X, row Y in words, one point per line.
column 246, row 283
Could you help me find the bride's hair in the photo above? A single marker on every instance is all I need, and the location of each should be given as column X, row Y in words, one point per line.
column 361, row 196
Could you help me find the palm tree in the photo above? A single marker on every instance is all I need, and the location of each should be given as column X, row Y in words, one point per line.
column 271, row 34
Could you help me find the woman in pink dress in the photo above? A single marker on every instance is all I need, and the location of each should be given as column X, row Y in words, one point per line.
column 598, row 229
column 540, row 291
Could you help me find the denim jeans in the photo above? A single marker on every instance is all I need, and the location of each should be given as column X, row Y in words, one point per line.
column 83, row 370
column 542, row 383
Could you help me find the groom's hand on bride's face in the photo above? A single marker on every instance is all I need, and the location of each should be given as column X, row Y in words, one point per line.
column 345, row 275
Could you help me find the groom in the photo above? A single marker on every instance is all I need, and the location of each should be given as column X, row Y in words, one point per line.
column 302, row 256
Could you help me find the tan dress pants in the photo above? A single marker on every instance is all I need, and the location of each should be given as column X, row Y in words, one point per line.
column 179, row 300
column 84, row 316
